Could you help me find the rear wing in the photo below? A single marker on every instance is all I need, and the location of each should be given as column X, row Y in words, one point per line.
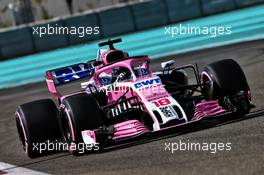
column 64, row 75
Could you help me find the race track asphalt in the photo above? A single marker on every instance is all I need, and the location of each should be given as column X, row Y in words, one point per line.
column 245, row 134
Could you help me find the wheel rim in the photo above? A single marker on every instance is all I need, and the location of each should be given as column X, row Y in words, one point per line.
column 208, row 88
column 66, row 128
column 21, row 132
column 68, row 132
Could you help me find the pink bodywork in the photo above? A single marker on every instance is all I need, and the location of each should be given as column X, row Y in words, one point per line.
column 133, row 128
column 207, row 108
column 114, row 95
column 130, row 128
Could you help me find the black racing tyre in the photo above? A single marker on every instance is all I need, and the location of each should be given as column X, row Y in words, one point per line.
column 37, row 122
column 80, row 112
column 225, row 78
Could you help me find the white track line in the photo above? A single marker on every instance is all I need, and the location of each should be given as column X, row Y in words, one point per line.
column 6, row 169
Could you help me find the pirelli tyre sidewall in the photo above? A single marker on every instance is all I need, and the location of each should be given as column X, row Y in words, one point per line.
column 37, row 122
column 78, row 113
column 225, row 78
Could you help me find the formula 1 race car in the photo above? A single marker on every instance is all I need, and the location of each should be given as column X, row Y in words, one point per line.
column 121, row 98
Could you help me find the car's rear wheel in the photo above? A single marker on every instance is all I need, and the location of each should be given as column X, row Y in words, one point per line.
column 225, row 78
column 80, row 112
column 173, row 79
column 37, row 122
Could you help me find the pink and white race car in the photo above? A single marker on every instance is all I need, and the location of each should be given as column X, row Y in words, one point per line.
column 121, row 98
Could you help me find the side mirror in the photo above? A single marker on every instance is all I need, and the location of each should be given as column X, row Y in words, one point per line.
column 167, row 64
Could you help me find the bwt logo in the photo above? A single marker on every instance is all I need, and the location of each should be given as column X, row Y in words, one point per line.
column 148, row 83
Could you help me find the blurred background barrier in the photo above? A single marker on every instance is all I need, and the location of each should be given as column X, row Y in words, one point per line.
column 49, row 41
column 116, row 21
column 17, row 41
column 150, row 14
column 246, row 25
column 244, row 3
column 112, row 21
column 85, row 20
column 216, row 6
column 183, row 10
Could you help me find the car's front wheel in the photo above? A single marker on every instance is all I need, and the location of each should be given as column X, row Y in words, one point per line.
column 37, row 122
column 80, row 112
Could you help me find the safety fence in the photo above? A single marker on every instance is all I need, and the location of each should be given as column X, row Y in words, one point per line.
column 244, row 25
column 108, row 22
